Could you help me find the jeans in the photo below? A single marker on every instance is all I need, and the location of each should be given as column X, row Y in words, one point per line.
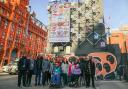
column 22, row 77
column 38, row 77
column 56, row 79
column 29, row 77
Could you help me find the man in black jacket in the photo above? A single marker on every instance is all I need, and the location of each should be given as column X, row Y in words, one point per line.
column 82, row 67
column 30, row 70
column 90, row 71
column 38, row 70
column 22, row 68
column 93, row 68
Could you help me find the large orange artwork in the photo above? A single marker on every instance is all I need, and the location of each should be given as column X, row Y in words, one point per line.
column 106, row 63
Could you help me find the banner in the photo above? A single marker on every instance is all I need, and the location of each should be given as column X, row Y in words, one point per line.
column 60, row 23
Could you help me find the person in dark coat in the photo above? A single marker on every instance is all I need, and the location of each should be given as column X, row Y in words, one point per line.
column 46, row 71
column 120, row 71
column 30, row 70
column 90, row 71
column 22, row 69
column 93, row 68
column 38, row 70
column 82, row 67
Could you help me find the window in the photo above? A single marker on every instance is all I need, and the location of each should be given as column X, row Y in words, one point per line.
column 14, row 17
column 12, row 27
column 3, row 35
column 21, row 21
column 24, row 34
column 1, row 10
column 1, row 46
column 18, row 31
column 11, row 37
column 5, row 24
column 30, row 34
column 8, row 14
column 0, row 20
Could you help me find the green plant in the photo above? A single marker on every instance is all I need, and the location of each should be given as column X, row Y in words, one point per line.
column 72, row 59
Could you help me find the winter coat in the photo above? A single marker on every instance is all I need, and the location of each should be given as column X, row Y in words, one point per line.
column 70, row 70
column 64, row 68
column 82, row 66
column 90, row 68
column 38, row 65
column 46, row 65
column 51, row 67
column 31, row 65
column 22, row 64
column 57, row 70
column 76, row 70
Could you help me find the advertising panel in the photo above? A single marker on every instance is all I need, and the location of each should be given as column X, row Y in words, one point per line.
column 60, row 23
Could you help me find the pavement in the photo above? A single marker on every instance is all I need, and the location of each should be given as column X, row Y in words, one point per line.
column 113, row 85
column 10, row 82
column 3, row 73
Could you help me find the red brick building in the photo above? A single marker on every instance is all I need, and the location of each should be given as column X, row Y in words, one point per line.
column 14, row 40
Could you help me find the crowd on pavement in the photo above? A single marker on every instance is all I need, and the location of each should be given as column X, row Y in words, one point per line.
column 56, row 71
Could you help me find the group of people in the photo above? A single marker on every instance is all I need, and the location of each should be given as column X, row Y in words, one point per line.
column 56, row 71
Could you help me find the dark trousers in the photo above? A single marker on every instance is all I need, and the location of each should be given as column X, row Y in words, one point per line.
column 65, row 80
column 43, row 78
column 22, row 77
column 93, row 80
column 88, row 78
column 46, row 77
column 82, row 78
column 56, row 79
column 29, row 77
column 38, row 77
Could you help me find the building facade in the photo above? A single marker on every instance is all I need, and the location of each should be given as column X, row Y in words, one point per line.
column 20, row 32
column 118, row 45
column 85, row 20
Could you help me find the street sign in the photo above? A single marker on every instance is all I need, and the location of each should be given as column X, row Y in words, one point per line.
column 102, row 44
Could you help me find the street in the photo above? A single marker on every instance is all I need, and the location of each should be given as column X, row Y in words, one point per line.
column 10, row 82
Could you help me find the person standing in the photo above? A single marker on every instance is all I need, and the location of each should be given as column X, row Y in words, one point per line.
column 22, row 66
column 82, row 67
column 64, row 68
column 42, row 72
column 38, row 70
column 46, row 71
column 90, row 72
column 76, row 74
column 120, row 71
column 30, row 70
column 93, row 68
column 51, row 68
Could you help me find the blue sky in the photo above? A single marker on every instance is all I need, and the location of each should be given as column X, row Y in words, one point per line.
column 117, row 10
